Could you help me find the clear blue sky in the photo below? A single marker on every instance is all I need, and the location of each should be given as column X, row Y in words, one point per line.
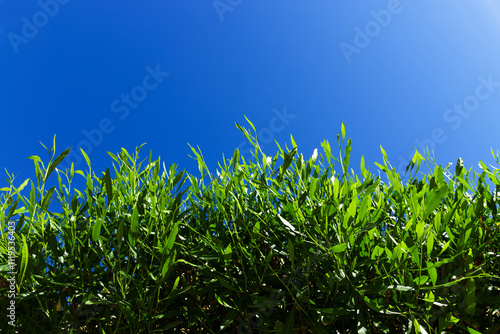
column 168, row 73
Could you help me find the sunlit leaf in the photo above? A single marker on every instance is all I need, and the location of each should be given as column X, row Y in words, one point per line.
column 338, row 248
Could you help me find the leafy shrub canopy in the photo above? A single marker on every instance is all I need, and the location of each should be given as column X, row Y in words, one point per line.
column 278, row 244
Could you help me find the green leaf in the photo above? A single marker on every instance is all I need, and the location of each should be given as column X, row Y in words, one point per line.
column 384, row 154
column 372, row 303
column 134, row 223
column 24, row 259
column 244, row 131
column 12, row 209
column 32, row 196
column 96, row 229
column 86, row 157
column 429, row 297
column 420, row 229
column 220, row 301
column 338, row 248
column 293, row 141
column 362, row 166
column 171, row 239
column 383, row 168
column 446, row 321
column 347, row 157
column 199, row 158
column 228, row 252
column 351, row 210
column 416, row 325
column 444, row 248
column 328, row 151
column 109, row 186
column 430, row 244
column 459, row 167
column 56, row 162
column 165, row 269
column 236, row 159
column 38, row 172
column 365, row 204
column 417, row 158
column 336, row 188
column 175, row 285
column 253, row 127
column 377, row 252
column 432, row 272
column 470, row 297
column 434, row 200
column 22, row 186
column 469, row 261
column 287, row 224
column 313, row 186
column 177, row 178
column 35, row 158
column 120, row 232
column 421, row 280
column 47, row 198
column 287, row 161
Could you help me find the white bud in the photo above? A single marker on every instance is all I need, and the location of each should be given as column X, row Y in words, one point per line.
column 315, row 154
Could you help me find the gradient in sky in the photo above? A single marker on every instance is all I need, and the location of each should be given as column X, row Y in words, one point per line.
column 106, row 75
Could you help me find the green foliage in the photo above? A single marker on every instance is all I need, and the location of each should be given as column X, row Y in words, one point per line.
column 275, row 244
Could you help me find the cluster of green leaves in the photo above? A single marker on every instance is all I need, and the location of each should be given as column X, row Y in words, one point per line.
column 278, row 244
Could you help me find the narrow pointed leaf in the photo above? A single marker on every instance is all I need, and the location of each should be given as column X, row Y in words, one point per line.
column 109, row 186
column 56, row 162
column 134, row 223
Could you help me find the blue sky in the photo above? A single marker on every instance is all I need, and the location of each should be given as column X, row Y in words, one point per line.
column 106, row 75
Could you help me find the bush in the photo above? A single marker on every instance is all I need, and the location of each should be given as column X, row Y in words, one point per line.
column 279, row 244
